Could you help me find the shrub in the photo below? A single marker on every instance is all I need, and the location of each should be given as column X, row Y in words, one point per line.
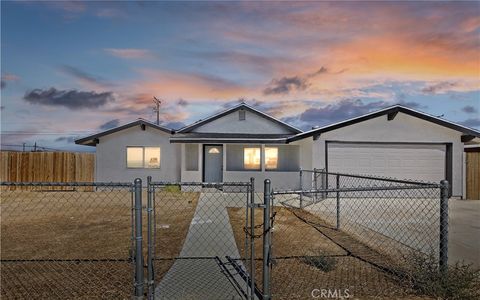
column 458, row 281
column 324, row 263
column 172, row 188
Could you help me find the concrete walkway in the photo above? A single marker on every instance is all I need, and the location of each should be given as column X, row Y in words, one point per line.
column 464, row 231
column 199, row 275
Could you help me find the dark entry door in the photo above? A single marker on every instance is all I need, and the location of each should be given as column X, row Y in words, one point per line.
column 213, row 163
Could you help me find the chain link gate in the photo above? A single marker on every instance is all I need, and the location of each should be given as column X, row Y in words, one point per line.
column 199, row 245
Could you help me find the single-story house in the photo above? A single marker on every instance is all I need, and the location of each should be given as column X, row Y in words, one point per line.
column 243, row 142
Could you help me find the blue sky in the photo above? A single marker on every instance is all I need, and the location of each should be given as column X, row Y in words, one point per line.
column 72, row 68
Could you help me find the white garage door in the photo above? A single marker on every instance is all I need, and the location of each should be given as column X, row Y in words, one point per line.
column 402, row 161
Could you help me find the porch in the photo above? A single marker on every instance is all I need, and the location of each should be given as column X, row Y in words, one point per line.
column 238, row 162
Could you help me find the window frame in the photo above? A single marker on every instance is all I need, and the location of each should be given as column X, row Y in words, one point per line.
column 265, row 156
column 186, row 158
column 282, row 151
column 143, row 158
column 260, row 163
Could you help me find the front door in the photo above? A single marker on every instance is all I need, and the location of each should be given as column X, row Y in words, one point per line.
column 213, row 163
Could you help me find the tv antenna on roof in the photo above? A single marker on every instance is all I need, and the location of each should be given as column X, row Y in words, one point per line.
column 156, row 108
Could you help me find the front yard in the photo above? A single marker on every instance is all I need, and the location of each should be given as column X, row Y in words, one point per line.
column 300, row 240
column 77, row 244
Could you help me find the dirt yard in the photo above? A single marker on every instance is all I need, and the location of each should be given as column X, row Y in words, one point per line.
column 57, row 244
column 299, row 239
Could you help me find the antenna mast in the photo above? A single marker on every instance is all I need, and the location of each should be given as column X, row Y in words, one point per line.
column 157, row 108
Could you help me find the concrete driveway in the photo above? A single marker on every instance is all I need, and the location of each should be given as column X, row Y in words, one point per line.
column 464, row 231
column 407, row 221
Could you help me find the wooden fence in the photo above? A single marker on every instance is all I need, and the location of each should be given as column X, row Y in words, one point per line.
column 47, row 166
column 473, row 175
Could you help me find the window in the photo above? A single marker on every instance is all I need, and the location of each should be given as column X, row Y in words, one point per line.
column 271, row 158
column 134, row 157
column 143, row 157
column 214, row 150
column 251, row 158
column 191, row 157
column 152, row 157
column 282, row 158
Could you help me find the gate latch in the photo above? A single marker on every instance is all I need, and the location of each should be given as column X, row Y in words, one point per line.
column 256, row 205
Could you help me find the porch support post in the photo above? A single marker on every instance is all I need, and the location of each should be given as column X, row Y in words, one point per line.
column 224, row 161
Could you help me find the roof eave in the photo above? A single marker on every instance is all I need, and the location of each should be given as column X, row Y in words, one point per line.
column 385, row 111
column 228, row 141
column 90, row 140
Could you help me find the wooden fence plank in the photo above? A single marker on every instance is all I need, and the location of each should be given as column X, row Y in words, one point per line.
column 473, row 175
column 47, row 166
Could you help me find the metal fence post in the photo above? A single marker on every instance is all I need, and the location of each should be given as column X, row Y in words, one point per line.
column 138, row 240
column 266, row 239
column 315, row 183
column 252, row 238
column 150, row 241
column 301, row 188
column 443, row 255
column 338, row 201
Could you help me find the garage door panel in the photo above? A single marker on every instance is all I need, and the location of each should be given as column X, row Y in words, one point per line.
column 403, row 161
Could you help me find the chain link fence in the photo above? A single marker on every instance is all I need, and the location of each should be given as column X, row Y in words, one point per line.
column 350, row 235
column 338, row 235
column 66, row 240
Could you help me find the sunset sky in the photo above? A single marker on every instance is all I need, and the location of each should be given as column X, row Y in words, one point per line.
column 69, row 69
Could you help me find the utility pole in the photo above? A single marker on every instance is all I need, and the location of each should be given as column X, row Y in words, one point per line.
column 157, row 108
column 23, row 147
column 35, row 147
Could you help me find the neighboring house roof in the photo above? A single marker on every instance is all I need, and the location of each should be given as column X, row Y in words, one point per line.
column 195, row 137
column 244, row 106
column 92, row 140
column 391, row 112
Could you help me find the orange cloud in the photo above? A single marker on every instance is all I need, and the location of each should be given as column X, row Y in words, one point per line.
column 173, row 85
column 10, row 77
column 373, row 40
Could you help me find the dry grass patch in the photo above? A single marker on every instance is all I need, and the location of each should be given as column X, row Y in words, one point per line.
column 300, row 237
column 77, row 244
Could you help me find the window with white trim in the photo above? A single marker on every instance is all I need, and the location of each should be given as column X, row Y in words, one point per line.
column 143, row 157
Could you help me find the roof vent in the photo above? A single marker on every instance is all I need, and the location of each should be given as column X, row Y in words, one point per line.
column 315, row 127
column 241, row 115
